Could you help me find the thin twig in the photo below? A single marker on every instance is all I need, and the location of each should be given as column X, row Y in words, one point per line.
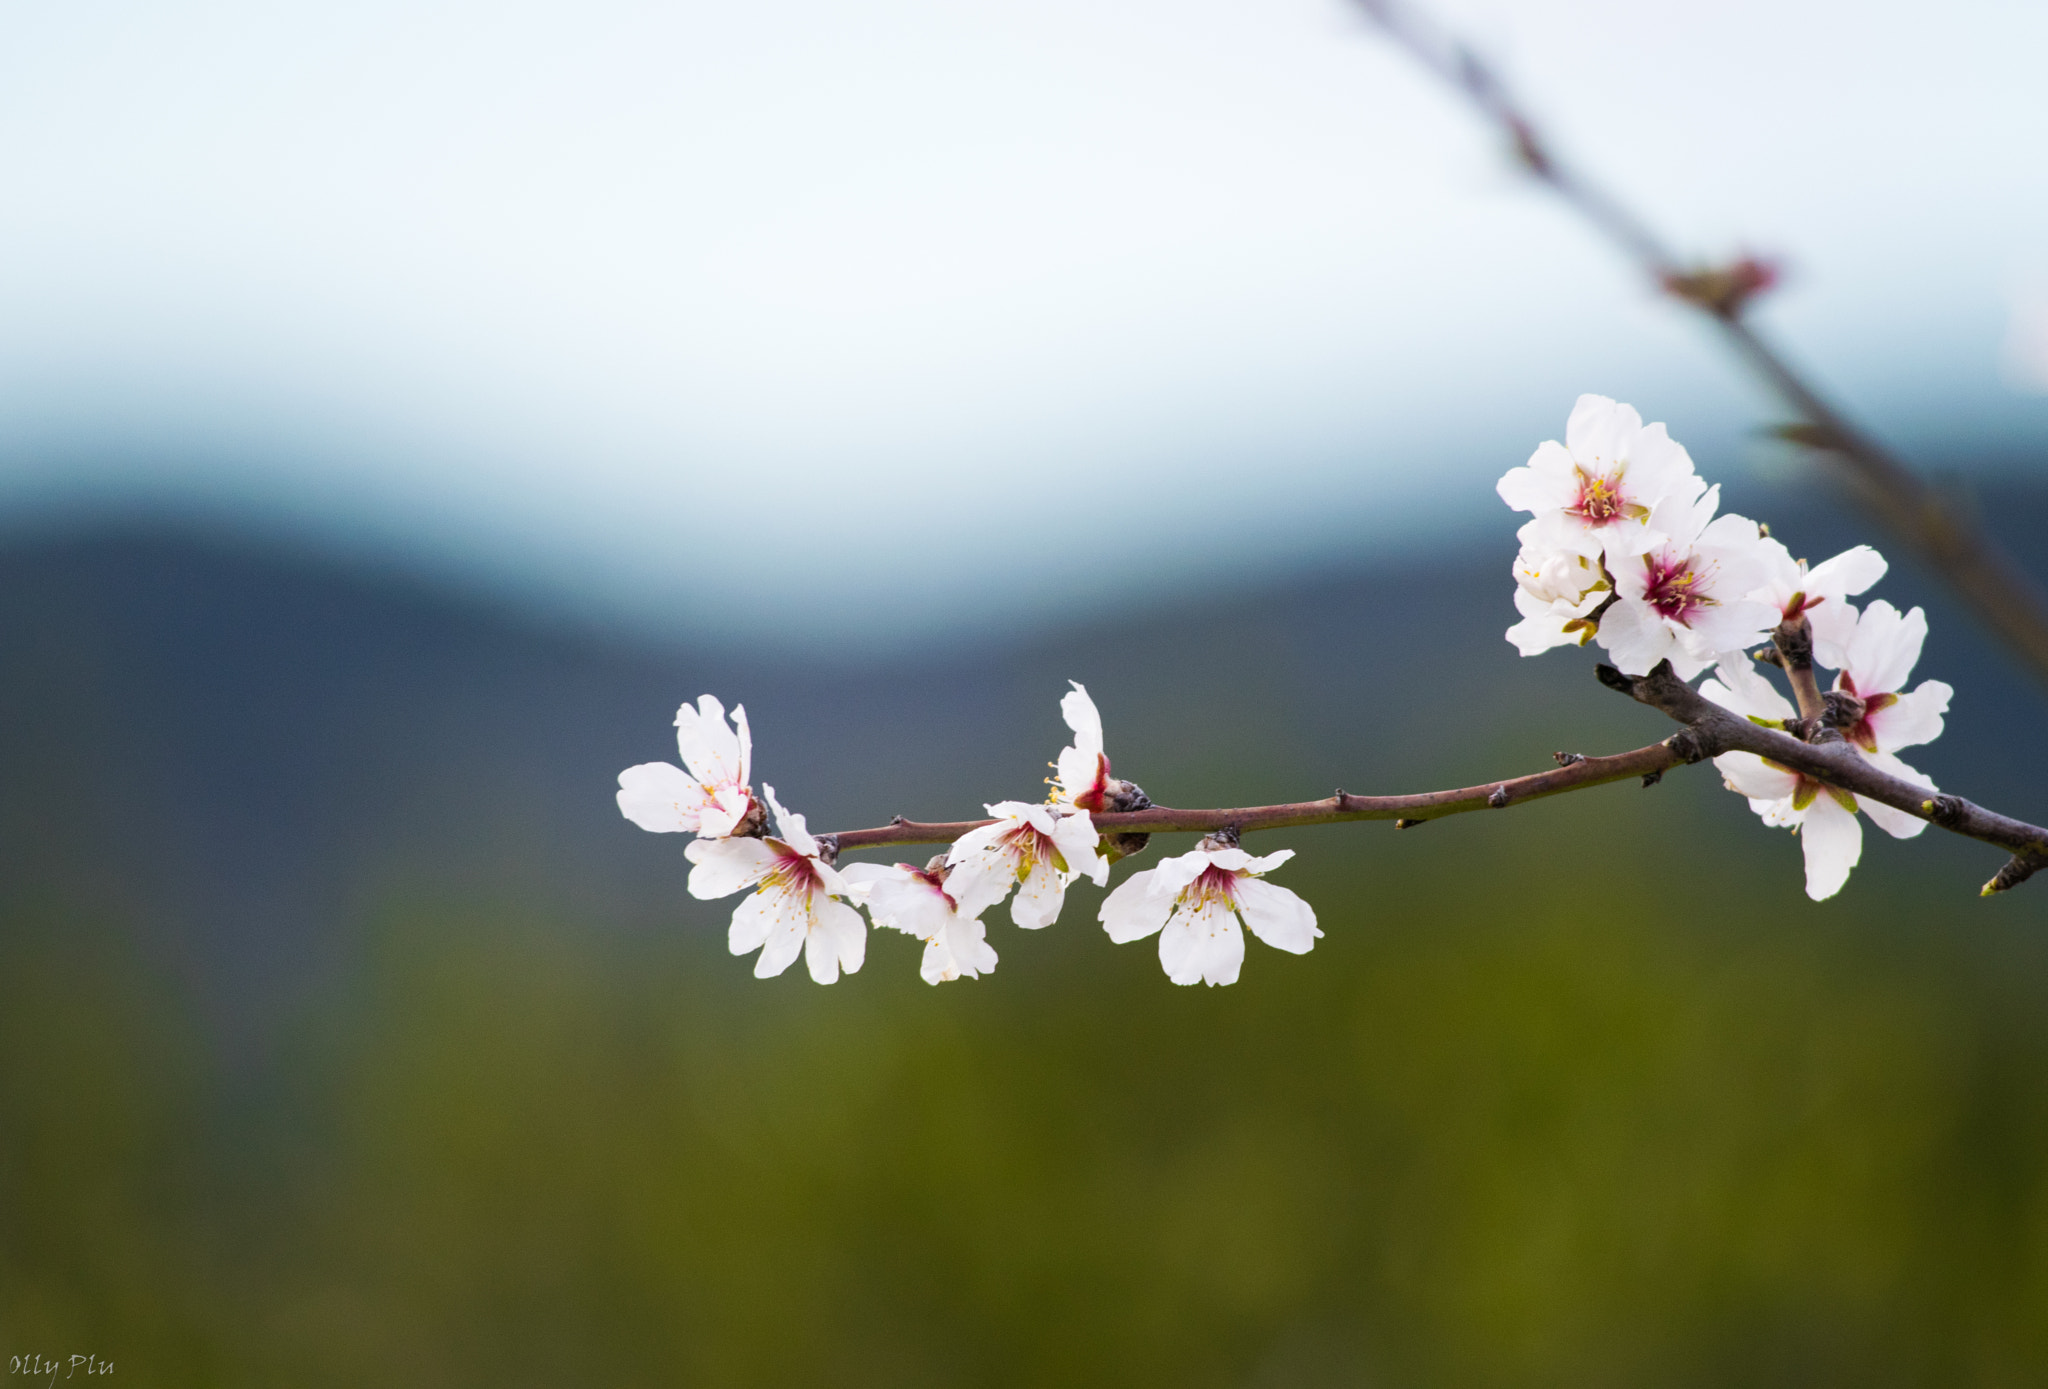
column 1946, row 537
column 1429, row 805
column 1709, row 731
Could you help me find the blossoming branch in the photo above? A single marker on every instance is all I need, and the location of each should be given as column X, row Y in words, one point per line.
column 1625, row 545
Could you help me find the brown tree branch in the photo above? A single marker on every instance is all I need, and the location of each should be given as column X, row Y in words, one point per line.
column 1649, row 763
column 1709, row 731
column 1944, row 534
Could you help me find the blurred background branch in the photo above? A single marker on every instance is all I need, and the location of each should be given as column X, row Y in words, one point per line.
column 1942, row 532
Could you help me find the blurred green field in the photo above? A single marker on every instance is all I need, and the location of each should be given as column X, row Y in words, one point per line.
column 1605, row 1112
column 1584, row 1093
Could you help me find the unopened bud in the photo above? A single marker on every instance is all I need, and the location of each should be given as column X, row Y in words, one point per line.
column 1116, row 847
column 1119, row 795
column 753, row 824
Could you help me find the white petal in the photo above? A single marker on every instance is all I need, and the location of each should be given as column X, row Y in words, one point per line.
column 1896, row 823
column 1659, row 469
column 1039, row 817
column 1542, row 631
column 1834, row 627
column 1682, row 521
column 961, row 952
column 977, row 842
column 981, row 882
column 1545, row 483
column 838, row 939
column 1077, row 771
column 1132, row 910
column 1782, row 576
column 1685, row 664
column 1039, row 897
column 1078, row 843
column 1599, row 430
column 1886, row 645
column 1276, row 916
column 1173, row 874
column 1912, row 718
column 1748, row 775
column 787, row 924
column 866, row 875
column 1202, row 947
column 752, row 922
column 910, row 905
column 1728, row 626
column 1268, row 863
column 1832, row 839
column 790, row 827
column 746, row 742
column 1636, row 638
column 1847, row 574
column 660, row 797
column 710, row 750
column 1743, row 689
column 727, row 806
column 1080, row 713
column 724, row 866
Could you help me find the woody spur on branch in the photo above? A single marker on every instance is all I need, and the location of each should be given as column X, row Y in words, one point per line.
column 1625, row 546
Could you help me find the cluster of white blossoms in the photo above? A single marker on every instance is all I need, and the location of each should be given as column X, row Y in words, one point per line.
column 1624, row 548
column 801, row 902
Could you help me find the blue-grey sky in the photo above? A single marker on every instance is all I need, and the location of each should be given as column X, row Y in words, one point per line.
column 736, row 314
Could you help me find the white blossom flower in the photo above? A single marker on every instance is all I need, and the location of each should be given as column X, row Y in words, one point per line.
column 1556, row 591
column 1601, row 488
column 1194, row 903
column 915, row 902
column 1685, row 598
column 713, row 797
column 1880, row 653
column 1035, row 849
column 1081, row 775
column 1821, row 594
column 793, row 907
column 1830, row 835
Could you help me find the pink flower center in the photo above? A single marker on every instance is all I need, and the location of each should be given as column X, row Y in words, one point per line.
column 935, row 881
column 793, row 872
column 1026, row 846
column 1217, row 886
column 1601, row 500
column 1676, row 587
column 1862, row 734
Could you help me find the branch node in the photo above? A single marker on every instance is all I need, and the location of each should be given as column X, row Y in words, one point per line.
column 1651, row 779
column 1405, row 824
column 828, row 847
column 1569, row 759
column 1499, row 799
column 1946, row 811
column 1614, row 679
column 1687, row 745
